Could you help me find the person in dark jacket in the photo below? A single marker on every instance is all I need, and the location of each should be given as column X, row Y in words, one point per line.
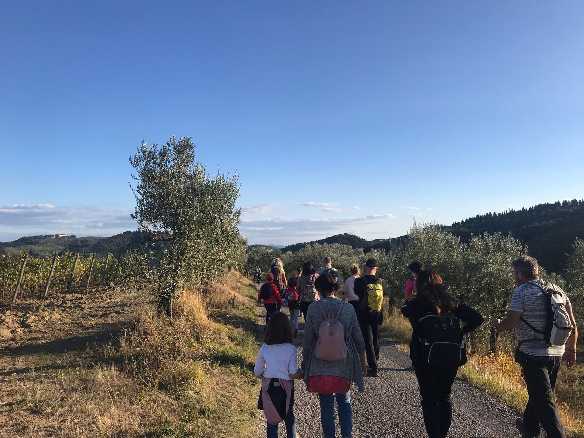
column 435, row 381
column 269, row 294
column 369, row 319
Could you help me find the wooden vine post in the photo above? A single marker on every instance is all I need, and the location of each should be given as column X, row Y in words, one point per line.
column 20, row 277
column 51, row 274
column 89, row 272
column 72, row 276
column 104, row 276
column 493, row 340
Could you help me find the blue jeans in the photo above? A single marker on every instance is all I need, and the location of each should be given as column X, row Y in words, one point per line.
column 327, row 414
column 290, row 422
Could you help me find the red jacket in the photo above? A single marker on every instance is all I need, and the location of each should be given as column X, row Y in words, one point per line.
column 270, row 289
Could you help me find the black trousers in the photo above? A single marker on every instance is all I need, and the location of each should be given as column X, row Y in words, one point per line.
column 369, row 322
column 540, row 374
column 271, row 309
column 355, row 305
column 304, row 308
column 435, row 388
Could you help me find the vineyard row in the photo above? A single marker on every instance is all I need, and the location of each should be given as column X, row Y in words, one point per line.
column 24, row 276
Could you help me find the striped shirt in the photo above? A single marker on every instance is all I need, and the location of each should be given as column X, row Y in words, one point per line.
column 529, row 299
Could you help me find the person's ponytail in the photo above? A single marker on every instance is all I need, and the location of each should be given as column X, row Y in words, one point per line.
column 433, row 290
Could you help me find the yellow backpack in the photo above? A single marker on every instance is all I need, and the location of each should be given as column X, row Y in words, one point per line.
column 375, row 296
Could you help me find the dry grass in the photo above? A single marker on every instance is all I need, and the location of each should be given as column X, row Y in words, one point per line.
column 204, row 364
column 397, row 327
column 160, row 378
column 500, row 376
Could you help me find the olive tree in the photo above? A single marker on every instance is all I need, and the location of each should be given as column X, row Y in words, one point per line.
column 260, row 256
column 194, row 214
column 343, row 257
column 575, row 279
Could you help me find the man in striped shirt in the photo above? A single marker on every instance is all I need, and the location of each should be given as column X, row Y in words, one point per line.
column 540, row 361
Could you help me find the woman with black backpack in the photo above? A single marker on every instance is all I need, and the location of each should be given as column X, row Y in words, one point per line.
column 437, row 348
column 307, row 288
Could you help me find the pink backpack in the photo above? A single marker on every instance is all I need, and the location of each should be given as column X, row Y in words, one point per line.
column 331, row 345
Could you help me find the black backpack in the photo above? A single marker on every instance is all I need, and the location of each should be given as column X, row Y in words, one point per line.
column 441, row 339
column 266, row 291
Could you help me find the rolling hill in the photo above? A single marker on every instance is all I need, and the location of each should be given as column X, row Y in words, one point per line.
column 549, row 230
column 46, row 245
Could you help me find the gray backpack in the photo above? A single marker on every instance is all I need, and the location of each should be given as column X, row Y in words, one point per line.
column 558, row 326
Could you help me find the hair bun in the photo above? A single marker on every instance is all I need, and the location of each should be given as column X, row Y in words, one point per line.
column 332, row 276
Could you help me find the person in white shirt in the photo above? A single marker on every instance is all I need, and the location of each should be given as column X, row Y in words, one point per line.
column 276, row 364
column 349, row 288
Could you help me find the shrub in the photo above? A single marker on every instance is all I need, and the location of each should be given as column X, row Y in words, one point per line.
column 194, row 214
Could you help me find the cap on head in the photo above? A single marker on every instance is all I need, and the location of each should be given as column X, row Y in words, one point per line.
column 415, row 267
column 371, row 263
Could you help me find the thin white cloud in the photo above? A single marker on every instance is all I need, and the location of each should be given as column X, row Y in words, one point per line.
column 282, row 231
column 326, row 207
column 256, row 209
column 28, row 219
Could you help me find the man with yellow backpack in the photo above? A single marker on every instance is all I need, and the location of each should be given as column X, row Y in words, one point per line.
column 369, row 289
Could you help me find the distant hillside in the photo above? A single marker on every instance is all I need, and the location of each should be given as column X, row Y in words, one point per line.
column 47, row 245
column 549, row 230
column 342, row 239
column 351, row 240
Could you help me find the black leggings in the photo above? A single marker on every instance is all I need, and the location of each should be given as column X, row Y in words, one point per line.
column 304, row 308
column 369, row 322
column 270, row 310
column 435, row 388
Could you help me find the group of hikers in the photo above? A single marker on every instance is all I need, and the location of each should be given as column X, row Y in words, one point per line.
column 340, row 345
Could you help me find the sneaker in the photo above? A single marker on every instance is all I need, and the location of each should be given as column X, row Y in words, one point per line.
column 519, row 425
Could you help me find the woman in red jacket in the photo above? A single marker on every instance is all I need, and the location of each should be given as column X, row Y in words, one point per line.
column 269, row 294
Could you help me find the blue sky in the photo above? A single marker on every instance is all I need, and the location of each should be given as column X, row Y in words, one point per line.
column 337, row 116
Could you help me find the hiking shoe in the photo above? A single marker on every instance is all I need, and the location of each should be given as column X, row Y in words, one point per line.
column 519, row 425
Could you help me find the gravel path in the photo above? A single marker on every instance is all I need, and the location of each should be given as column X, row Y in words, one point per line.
column 390, row 407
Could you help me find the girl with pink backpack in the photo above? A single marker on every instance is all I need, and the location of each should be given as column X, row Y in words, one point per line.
column 276, row 364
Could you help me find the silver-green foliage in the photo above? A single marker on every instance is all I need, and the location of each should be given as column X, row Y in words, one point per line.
column 259, row 256
column 195, row 214
column 343, row 257
column 575, row 279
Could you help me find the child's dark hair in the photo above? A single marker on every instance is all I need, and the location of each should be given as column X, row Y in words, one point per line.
column 415, row 267
column 293, row 282
column 432, row 290
column 308, row 268
column 279, row 330
column 327, row 283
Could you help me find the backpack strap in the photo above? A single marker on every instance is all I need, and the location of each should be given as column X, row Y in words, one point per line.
column 532, row 327
column 340, row 310
column 524, row 321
